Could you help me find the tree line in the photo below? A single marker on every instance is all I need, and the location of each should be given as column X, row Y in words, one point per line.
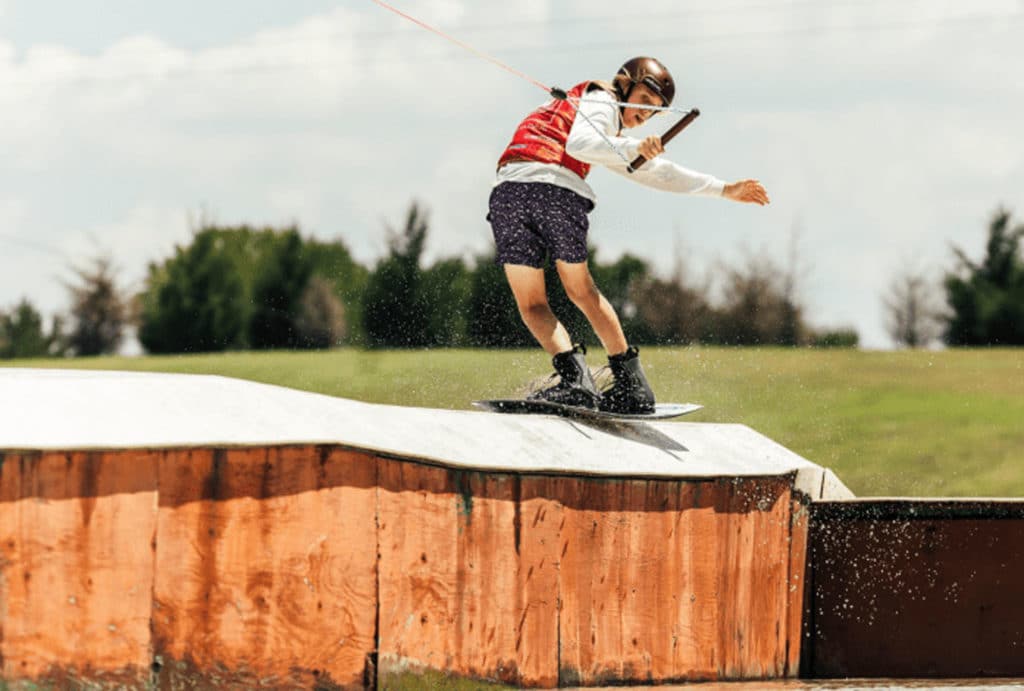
column 975, row 303
column 237, row 288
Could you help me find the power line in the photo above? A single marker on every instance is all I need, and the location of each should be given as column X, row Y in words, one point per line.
column 32, row 244
column 562, row 22
column 688, row 40
column 854, row 28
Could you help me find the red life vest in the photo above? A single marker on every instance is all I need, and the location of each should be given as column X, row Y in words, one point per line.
column 542, row 135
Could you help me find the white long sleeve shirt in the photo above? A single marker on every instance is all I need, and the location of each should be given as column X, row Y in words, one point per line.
column 585, row 144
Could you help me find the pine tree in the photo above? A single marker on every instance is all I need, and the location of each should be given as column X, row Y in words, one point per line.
column 986, row 299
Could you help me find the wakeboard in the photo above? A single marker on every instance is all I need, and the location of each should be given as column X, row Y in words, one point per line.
column 662, row 411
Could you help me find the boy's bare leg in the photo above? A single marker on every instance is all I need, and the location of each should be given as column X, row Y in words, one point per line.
column 527, row 285
column 581, row 289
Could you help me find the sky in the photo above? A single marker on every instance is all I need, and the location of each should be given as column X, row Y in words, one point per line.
column 885, row 131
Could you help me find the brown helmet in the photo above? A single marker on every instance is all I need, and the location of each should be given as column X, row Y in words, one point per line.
column 650, row 73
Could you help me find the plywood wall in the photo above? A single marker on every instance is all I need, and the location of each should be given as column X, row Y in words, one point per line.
column 314, row 566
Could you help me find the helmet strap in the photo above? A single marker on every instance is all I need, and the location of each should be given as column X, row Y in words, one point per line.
column 624, row 97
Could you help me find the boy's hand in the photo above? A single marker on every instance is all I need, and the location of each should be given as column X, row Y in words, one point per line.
column 748, row 191
column 651, row 147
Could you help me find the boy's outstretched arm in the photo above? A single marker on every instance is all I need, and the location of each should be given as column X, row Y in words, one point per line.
column 586, row 144
column 746, row 191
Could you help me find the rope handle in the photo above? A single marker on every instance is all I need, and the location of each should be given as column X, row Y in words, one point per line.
column 667, row 137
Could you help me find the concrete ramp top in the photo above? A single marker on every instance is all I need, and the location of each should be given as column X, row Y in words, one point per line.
column 80, row 410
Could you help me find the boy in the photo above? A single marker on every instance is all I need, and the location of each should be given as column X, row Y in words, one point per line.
column 539, row 207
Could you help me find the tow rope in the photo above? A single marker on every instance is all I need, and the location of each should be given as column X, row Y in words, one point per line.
column 559, row 93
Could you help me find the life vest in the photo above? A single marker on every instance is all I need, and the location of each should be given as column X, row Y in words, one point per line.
column 541, row 136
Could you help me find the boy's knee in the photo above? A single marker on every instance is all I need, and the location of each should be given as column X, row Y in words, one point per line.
column 583, row 295
column 534, row 308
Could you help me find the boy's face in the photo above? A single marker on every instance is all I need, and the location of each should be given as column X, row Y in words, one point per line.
column 641, row 95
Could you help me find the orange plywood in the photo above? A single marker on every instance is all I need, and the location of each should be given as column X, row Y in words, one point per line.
column 467, row 574
column 537, row 526
column 76, row 566
column 302, row 566
column 265, row 567
column 754, row 562
column 593, row 580
column 667, row 580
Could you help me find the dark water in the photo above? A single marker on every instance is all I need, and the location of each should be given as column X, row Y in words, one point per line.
column 843, row 685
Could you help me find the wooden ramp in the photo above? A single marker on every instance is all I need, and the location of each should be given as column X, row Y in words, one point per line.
column 200, row 531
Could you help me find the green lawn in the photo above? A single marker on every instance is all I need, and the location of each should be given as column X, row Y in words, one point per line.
column 888, row 423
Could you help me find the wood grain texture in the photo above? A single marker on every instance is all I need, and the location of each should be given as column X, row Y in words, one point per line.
column 313, row 566
column 455, row 593
column 759, row 559
column 76, row 566
column 537, row 527
column 537, row 581
column 666, row 580
column 266, row 567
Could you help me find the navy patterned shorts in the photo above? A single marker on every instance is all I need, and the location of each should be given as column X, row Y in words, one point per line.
column 532, row 220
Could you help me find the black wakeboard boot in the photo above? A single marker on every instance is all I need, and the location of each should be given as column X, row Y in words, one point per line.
column 575, row 386
column 629, row 394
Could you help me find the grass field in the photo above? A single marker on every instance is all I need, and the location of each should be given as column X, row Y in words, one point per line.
column 888, row 423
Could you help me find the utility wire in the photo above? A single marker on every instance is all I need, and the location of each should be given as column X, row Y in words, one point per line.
column 31, row 244
column 795, row 31
column 688, row 40
column 562, row 23
column 618, row 20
